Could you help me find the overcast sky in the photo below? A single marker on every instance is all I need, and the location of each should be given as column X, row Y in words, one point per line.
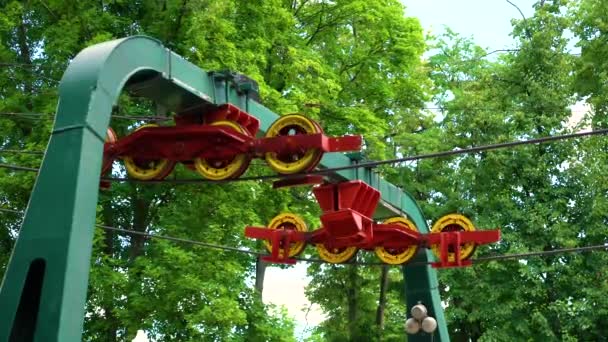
column 487, row 21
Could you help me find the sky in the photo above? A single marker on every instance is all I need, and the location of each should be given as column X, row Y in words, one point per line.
column 488, row 22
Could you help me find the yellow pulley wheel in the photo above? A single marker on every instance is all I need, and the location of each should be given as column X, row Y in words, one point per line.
column 298, row 161
column 218, row 169
column 452, row 223
column 288, row 221
column 397, row 256
column 147, row 169
column 336, row 255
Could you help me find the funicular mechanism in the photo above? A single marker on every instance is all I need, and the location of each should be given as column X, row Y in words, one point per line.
column 347, row 226
column 220, row 143
column 43, row 293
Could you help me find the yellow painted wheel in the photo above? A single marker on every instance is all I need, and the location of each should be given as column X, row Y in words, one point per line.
column 299, row 161
column 111, row 137
column 218, row 169
column 146, row 169
column 452, row 223
column 397, row 256
column 336, row 255
column 288, row 221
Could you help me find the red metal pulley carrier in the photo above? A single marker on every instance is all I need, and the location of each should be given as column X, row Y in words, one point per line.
column 347, row 223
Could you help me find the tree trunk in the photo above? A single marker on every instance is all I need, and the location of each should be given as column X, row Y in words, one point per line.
column 108, row 303
column 25, row 57
column 260, row 272
column 382, row 301
column 141, row 219
column 352, row 292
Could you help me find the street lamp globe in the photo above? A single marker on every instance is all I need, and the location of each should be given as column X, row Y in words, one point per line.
column 419, row 312
column 412, row 326
column 429, row 325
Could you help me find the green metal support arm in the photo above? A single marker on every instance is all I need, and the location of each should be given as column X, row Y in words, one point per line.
column 43, row 293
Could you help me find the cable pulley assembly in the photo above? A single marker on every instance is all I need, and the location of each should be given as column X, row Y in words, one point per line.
column 347, row 227
column 220, row 143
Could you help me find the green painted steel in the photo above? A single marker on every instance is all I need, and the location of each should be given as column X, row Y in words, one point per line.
column 44, row 289
column 42, row 297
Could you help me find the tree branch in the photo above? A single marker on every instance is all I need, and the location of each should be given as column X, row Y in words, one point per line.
column 298, row 8
column 523, row 16
column 178, row 24
column 518, row 9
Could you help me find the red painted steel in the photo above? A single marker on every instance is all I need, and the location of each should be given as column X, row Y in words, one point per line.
column 226, row 112
column 347, row 208
column 190, row 138
column 295, row 143
column 180, row 143
column 346, row 222
column 278, row 238
column 299, row 181
column 394, row 236
column 232, row 113
column 452, row 241
column 346, row 228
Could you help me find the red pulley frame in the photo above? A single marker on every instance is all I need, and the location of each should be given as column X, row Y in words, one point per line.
column 190, row 138
column 346, row 222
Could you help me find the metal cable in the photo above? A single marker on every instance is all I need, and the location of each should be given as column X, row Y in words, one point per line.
column 372, row 164
column 475, row 149
column 32, row 115
column 181, row 240
column 517, row 256
column 123, row 117
column 162, row 118
column 18, row 168
column 7, row 150
column 10, row 64
column 142, row 118
column 541, row 253
column 162, row 237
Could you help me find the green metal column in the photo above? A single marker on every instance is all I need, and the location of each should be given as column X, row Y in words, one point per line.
column 42, row 297
column 43, row 293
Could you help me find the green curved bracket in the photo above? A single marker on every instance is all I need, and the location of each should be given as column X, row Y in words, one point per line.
column 43, row 293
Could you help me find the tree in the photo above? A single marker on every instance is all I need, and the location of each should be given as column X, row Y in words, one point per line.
column 178, row 291
column 378, row 85
column 590, row 83
column 357, row 67
column 533, row 193
column 181, row 291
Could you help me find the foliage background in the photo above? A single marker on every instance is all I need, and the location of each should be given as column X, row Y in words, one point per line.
column 357, row 67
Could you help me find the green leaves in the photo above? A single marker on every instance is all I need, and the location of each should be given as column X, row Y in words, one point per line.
column 356, row 66
column 534, row 194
